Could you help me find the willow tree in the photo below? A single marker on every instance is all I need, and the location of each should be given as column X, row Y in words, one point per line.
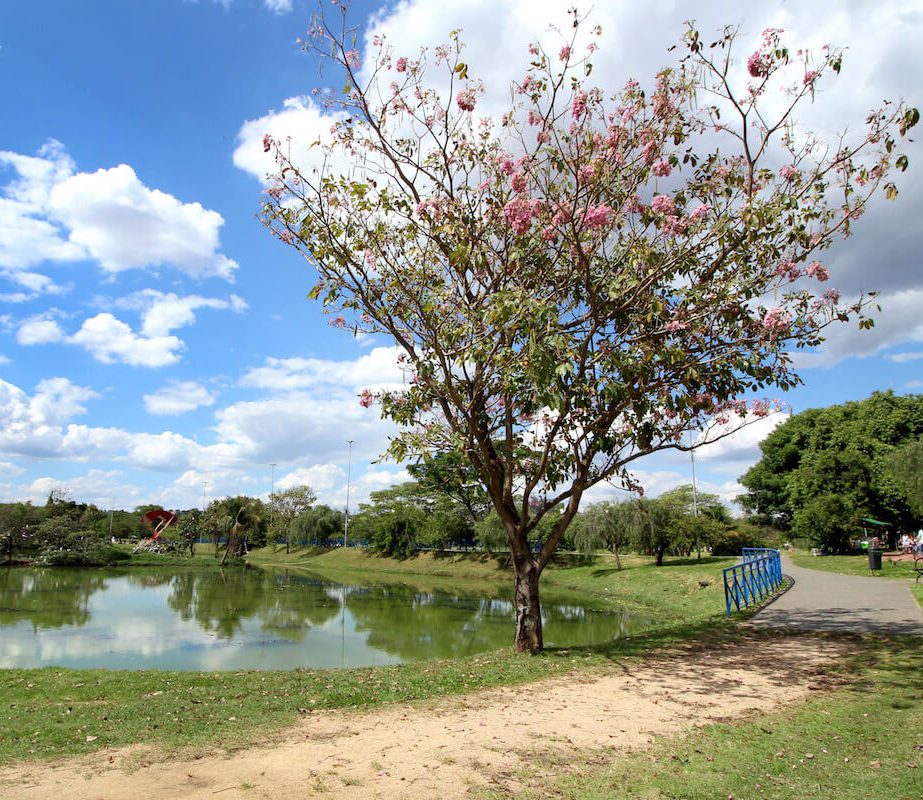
column 584, row 280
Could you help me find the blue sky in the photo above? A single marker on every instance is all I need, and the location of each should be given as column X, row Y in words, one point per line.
column 155, row 342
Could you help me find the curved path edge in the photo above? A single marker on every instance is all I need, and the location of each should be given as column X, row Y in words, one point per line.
column 826, row 601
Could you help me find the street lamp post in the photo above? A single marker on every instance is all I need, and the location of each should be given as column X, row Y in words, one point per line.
column 695, row 507
column 349, row 469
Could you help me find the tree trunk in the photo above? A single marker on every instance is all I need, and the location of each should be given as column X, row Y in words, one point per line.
column 528, row 608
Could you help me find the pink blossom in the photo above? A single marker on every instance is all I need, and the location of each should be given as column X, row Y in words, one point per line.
column 832, row 296
column 519, row 213
column 788, row 269
column 597, row 216
column 758, row 65
column 519, row 182
column 542, row 136
column 699, row 212
column 366, row 399
column 561, row 215
column 661, row 168
column 549, row 233
column 565, row 53
column 811, row 76
column 275, row 191
column 466, row 99
column 634, row 205
column 267, row 143
column 776, row 320
column 674, row 225
column 663, row 204
column 401, row 65
column 352, row 58
column 649, row 151
column 533, row 49
column 674, row 326
column 505, row 163
column 817, row 270
column 586, row 172
column 339, row 322
column 760, row 408
column 788, row 172
column 578, row 104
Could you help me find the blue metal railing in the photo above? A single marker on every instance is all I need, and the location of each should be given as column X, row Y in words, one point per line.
column 756, row 578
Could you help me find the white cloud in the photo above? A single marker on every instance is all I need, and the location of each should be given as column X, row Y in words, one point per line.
column 741, row 446
column 50, row 213
column 904, row 358
column 297, row 125
column 278, row 6
column 178, row 397
column 898, row 322
column 123, row 224
column 39, row 330
column 377, row 369
column 323, row 478
column 162, row 312
column 111, row 340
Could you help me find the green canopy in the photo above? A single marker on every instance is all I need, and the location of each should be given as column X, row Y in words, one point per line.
column 876, row 522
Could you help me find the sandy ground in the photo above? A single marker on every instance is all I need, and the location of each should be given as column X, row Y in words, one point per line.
column 448, row 748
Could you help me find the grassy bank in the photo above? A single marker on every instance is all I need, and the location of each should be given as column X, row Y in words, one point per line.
column 51, row 712
column 682, row 590
column 864, row 740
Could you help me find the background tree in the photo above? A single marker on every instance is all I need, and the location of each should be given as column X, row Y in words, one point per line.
column 242, row 520
column 392, row 521
column 188, row 528
column 449, row 473
column 318, row 525
column 286, row 506
column 840, row 460
column 610, row 526
column 563, row 308
column 16, row 522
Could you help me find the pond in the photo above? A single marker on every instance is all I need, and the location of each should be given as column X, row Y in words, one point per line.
column 248, row 618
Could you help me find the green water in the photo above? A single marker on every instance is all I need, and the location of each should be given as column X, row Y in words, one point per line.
column 245, row 618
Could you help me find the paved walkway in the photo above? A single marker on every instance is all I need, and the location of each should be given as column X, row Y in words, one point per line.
column 825, row 601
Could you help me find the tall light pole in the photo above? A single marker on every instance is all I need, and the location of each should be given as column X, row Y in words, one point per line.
column 111, row 512
column 272, row 499
column 204, row 495
column 349, row 469
column 695, row 506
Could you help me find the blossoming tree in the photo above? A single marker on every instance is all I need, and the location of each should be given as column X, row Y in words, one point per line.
column 588, row 278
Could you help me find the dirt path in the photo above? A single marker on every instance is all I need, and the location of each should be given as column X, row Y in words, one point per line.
column 442, row 749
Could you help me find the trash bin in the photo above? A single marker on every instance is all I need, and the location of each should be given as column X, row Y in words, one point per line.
column 874, row 558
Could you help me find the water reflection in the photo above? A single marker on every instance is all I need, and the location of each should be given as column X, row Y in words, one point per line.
column 253, row 619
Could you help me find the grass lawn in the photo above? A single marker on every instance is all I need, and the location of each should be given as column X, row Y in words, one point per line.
column 854, row 565
column 861, row 741
column 46, row 713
